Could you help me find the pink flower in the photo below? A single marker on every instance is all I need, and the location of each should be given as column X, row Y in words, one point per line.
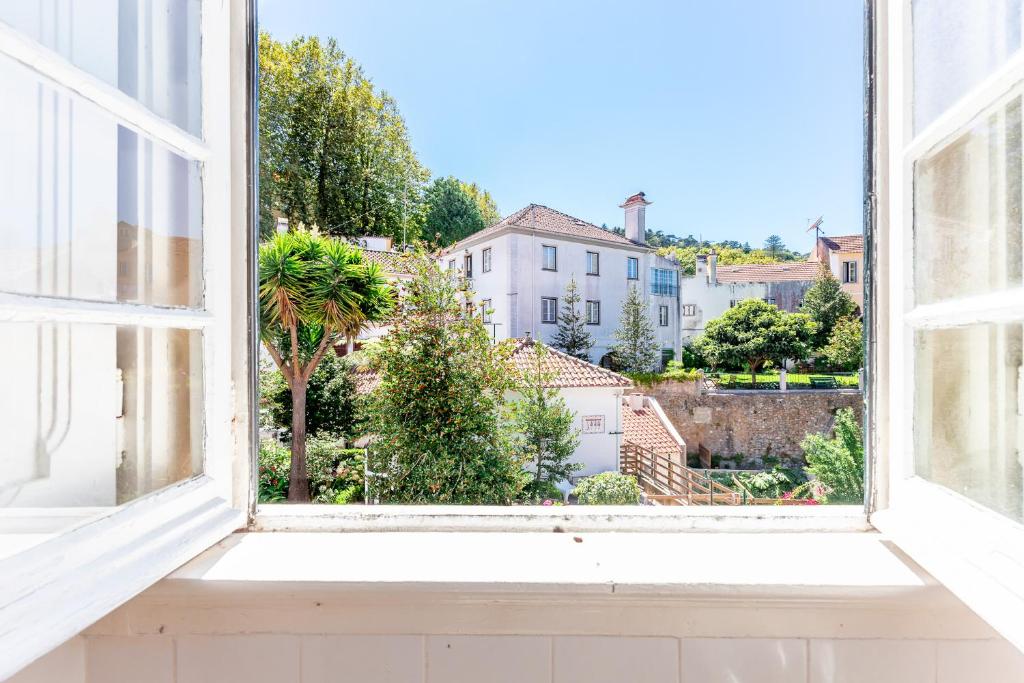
column 787, row 495
column 549, row 502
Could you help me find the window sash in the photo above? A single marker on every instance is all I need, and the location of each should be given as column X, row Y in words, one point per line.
column 548, row 309
column 468, row 265
column 485, row 265
column 663, row 316
column 550, row 258
column 632, row 268
column 593, row 263
column 593, row 312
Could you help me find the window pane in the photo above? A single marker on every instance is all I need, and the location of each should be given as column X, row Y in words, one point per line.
column 92, row 210
column 956, row 45
column 97, row 415
column 967, row 210
column 968, row 425
column 149, row 49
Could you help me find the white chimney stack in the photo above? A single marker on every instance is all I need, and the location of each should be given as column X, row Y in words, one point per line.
column 635, row 207
column 713, row 268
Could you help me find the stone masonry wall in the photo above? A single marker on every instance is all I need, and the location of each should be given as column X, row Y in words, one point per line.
column 751, row 423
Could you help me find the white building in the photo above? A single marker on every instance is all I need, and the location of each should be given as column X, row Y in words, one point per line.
column 715, row 289
column 521, row 266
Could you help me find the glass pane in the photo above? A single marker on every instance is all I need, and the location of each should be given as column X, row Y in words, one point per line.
column 956, row 45
column 92, row 210
column 149, row 49
column 967, row 211
column 968, row 425
column 97, row 415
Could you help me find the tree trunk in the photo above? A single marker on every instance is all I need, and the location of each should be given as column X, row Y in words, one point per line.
column 298, row 477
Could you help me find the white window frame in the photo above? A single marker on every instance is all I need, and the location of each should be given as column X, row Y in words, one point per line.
column 689, row 310
column 662, row 315
column 975, row 552
column 485, row 260
column 467, row 261
column 546, row 301
column 544, row 257
column 486, row 311
column 631, row 261
column 594, row 258
column 849, row 272
column 125, row 549
column 593, row 306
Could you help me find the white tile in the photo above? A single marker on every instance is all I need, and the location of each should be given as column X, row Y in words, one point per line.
column 380, row 659
column 249, row 658
column 65, row 664
column 872, row 661
column 992, row 661
column 606, row 659
column 494, row 659
column 127, row 659
column 744, row 660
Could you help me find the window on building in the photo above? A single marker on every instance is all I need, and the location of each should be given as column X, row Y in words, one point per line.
column 849, row 272
column 549, row 309
column 689, row 310
column 664, row 282
column 593, row 312
column 486, row 311
column 485, row 259
column 451, row 264
column 663, row 316
column 468, row 267
column 632, row 268
column 769, row 300
column 593, row 263
column 550, row 258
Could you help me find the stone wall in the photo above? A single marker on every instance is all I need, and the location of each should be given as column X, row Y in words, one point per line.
column 751, row 423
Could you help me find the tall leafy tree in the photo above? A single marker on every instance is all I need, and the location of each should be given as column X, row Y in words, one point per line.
column 572, row 336
column 484, row 201
column 312, row 289
column 437, row 415
column 826, row 303
column 451, row 212
column 636, row 347
column 845, row 347
column 545, row 428
column 334, row 150
column 754, row 332
column 774, row 244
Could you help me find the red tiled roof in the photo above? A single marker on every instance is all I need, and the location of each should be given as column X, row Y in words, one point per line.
column 565, row 371
column 844, row 242
column 769, row 272
column 544, row 219
column 638, row 198
column 389, row 261
column 644, row 428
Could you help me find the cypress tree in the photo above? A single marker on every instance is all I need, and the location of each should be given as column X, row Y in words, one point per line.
column 636, row 349
column 572, row 336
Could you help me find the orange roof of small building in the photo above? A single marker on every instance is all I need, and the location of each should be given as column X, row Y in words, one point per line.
column 565, row 371
column 545, row 219
column 769, row 272
column 644, row 428
column 844, row 242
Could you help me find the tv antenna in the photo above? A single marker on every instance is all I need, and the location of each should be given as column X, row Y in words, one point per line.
column 816, row 227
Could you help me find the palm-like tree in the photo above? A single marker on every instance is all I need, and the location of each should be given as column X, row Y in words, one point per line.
column 313, row 290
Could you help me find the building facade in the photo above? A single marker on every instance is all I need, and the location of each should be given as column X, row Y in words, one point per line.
column 844, row 255
column 521, row 266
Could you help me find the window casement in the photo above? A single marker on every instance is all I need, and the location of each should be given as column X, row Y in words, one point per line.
column 948, row 387
column 849, row 272
column 769, row 300
column 593, row 263
column 485, row 260
column 663, row 316
column 664, row 282
column 549, row 309
column 689, row 310
column 632, row 268
column 468, row 266
column 593, row 312
column 125, row 235
column 549, row 258
column 486, row 311
column 451, row 264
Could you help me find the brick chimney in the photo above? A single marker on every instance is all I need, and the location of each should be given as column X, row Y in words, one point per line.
column 635, row 207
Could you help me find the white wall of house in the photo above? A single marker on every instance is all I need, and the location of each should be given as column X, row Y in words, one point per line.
column 710, row 300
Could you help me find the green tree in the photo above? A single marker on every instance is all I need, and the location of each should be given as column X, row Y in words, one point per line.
column 330, row 398
column 754, row 332
column 334, row 151
column 572, row 336
column 437, row 414
column 836, row 465
column 544, row 425
column 727, row 256
column 451, row 212
column 484, row 201
column 773, row 245
column 845, row 347
column 608, row 488
column 826, row 302
column 312, row 290
column 635, row 348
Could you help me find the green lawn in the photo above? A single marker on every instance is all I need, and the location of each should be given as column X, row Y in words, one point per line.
column 793, row 379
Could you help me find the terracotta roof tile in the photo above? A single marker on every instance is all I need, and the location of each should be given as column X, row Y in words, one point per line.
column 769, row 272
column 544, row 219
column 844, row 242
column 566, row 371
column 643, row 427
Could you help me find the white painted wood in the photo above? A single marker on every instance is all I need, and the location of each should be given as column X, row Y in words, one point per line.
column 993, row 307
column 29, row 308
column 127, row 110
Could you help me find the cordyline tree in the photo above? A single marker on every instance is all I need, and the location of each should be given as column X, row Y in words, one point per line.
column 572, row 336
column 439, row 433
column 826, row 303
column 635, row 348
column 754, row 332
column 313, row 291
column 544, row 425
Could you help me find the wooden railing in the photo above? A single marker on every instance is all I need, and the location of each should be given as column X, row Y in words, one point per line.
column 668, row 482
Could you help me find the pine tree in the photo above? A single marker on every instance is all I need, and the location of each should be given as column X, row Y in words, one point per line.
column 544, row 425
column 636, row 349
column 572, row 336
column 826, row 303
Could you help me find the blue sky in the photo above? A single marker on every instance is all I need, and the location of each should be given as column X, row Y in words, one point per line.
column 738, row 118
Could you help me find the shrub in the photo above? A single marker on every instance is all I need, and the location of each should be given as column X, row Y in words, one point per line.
column 330, row 396
column 835, row 465
column 334, row 469
column 608, row 488
column 274, row 464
